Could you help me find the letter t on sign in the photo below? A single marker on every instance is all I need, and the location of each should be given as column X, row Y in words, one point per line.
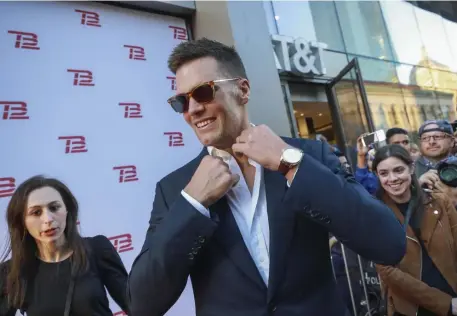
column 281, row 51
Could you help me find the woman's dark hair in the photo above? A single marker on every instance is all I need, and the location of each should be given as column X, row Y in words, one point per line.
column 22, row 245
column 417, row 195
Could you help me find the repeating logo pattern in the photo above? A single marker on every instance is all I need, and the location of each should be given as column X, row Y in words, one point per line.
column 25, row 40
column 74, row 144
column 7, row 186
column 122, row 243
column 131, row 110
column 14, row 110
column 89, row 18
column 136, row 52
column 127, row 173
column 78, row 144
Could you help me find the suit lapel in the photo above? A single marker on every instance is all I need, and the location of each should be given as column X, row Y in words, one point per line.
column 227, row 234
column 281, row 227
column 229, row 237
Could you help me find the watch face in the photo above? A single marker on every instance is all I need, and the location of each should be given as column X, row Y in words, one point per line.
column 292, row 155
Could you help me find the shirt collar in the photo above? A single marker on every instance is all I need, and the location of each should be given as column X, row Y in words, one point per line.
column 227, row 157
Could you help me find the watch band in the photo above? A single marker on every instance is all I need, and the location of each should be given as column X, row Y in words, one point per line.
column 284, row 167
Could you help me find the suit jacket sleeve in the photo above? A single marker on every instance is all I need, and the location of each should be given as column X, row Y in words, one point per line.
column 159, row 274
column 111, row 269
column 415, row 290
column 327, row 194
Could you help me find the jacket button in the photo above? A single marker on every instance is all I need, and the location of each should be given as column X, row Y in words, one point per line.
column 201, row 239
column 191, row 256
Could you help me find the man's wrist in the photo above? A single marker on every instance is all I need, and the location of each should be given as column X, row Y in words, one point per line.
column 195, row 196
column 290, row 175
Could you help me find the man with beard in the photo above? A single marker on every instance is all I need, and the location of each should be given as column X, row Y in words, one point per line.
column 436, row 144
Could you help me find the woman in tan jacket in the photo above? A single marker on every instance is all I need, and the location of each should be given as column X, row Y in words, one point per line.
column 424, row 283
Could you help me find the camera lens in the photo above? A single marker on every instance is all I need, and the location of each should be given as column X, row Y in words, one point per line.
column 448, row 174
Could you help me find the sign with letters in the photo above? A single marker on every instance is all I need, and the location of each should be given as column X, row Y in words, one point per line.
column 298, row 55
column 100, row 113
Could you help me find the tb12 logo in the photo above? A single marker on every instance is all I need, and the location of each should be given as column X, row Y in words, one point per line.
column 122, row 243
column 132, row 110
column 74, row 144
column 179, row 32
column 89, row 18
column 127, row 173
column 25, row 40
column 7, row 187
column 174, row 139
column 82, row 77
column 173, row 82
column 136, row 52
column 14, row 110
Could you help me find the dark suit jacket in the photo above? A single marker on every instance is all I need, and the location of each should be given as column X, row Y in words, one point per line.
column 323, row 198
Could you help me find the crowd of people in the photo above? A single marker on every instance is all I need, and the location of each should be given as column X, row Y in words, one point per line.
column 249, row 220
column 408, row 178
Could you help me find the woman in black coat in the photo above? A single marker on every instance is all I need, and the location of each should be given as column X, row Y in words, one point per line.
column 53, row 271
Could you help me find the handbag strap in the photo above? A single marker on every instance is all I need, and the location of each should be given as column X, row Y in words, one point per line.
column 71, row 287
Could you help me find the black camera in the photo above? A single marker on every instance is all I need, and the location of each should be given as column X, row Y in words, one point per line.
column 447, row 171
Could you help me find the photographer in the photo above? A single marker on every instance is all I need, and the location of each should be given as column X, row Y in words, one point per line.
column 436, row 144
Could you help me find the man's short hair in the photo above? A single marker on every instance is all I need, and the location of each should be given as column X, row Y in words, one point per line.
column 394, row 131
column 228, row 60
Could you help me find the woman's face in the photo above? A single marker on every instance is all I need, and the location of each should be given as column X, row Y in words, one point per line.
column 45, row 215
column 395, row 177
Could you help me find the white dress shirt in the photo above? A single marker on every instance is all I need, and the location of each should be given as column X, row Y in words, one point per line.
column 249, row 211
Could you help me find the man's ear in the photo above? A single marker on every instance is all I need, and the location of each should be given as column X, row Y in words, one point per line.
column 244, row 91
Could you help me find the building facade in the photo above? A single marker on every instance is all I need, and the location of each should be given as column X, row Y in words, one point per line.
column 404, row 70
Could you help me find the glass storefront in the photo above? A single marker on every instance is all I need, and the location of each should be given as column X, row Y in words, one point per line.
column 407, row 56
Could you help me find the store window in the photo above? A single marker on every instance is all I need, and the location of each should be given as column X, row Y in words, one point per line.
column 383, row 93
column 450, row 28
column 436, row 52
column 377, row 70
column 444, row 80
column 311, row 20
column 403, row 31
column 447, row 104
column 363, row 28
column 421, row 104
column 334, row 62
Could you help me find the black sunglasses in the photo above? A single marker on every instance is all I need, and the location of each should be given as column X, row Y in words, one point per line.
column 203, row 93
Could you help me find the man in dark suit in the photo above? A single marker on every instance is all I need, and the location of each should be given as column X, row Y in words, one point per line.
column 249, row 218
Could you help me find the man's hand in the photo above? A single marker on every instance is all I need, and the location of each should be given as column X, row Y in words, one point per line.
column 362, row 151
column 211, row 181
column 450, row 192
column 260, row 144
column 429, row 179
